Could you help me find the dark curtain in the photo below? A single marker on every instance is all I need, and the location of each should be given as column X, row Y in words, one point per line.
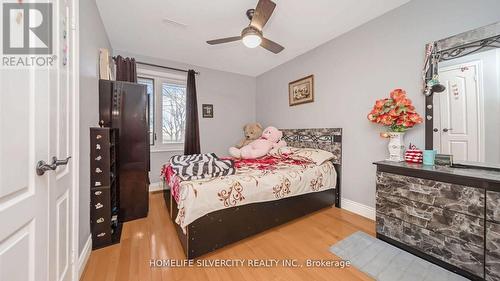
column 125, row 69
column 192, row 135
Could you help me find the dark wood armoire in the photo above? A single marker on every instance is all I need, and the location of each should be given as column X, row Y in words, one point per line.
column 124, row 106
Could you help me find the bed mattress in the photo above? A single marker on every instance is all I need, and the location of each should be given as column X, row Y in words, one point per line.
column 255, row 181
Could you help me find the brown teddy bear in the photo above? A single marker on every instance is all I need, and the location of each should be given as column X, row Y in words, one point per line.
column 252, row 132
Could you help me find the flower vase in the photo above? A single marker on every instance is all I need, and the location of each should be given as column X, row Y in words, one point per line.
column 396, row 146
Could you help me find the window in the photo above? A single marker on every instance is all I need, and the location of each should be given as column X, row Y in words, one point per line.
column 173, row 112
column 167, row 105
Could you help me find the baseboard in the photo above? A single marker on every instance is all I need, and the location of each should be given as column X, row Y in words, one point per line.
column 84, row 257
column 358, row 208
column 155, row 186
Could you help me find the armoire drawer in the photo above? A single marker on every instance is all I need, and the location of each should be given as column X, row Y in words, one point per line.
column 459, row 198
column 100, row 203
column 101, row 238
column 451, row 224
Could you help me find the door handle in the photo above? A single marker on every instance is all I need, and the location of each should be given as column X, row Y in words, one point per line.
column 447, row 129
column 42, row 167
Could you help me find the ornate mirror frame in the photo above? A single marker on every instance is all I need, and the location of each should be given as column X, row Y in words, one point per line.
column 460, row 45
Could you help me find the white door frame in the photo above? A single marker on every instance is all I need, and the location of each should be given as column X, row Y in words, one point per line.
column 75, row 30
column 478, row 64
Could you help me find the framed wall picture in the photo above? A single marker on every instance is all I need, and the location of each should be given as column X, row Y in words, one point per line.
column 301, row 91
column 207, row 110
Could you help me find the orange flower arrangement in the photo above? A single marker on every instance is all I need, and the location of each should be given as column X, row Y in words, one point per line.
column 396, row 112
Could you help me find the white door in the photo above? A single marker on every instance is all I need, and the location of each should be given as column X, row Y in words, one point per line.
column 36, row 117
column 457, row 126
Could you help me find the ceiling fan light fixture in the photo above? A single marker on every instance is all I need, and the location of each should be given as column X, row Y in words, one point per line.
column 252, row 40
column 251, row 37
column 252, row 34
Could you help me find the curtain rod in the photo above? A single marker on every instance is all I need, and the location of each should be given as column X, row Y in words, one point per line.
column 162, row 66
column 166, row 67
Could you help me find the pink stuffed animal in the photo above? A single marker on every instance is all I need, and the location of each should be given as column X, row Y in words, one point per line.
column 271, row 138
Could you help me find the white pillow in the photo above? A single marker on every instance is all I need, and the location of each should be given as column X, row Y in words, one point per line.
column 313, row 155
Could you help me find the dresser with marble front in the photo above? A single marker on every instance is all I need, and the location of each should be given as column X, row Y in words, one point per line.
column 449, row 216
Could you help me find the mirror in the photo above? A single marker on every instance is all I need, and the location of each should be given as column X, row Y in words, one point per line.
column 467, row 112
column 465, row 117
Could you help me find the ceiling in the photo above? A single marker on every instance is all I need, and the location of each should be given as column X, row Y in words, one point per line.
column 139, row 27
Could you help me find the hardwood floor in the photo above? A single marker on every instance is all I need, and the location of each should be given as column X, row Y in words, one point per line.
column 154, row 237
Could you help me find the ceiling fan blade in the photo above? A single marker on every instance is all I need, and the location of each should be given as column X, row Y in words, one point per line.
column 271, row 46
column 262, row 13
column 224, row 40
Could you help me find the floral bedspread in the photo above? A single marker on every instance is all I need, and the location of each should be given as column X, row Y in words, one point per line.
column 259, row 180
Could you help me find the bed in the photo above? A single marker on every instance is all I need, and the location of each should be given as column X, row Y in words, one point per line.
column 234, row 218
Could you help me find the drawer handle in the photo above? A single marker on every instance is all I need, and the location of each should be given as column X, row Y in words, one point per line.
column 98, row 206
column 101, row 234
column 100, row 220
column 98, row 192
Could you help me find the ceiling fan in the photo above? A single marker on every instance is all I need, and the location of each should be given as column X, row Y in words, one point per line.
column 252, row 34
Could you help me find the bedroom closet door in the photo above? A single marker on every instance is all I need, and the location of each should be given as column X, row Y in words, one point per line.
column 37, row 124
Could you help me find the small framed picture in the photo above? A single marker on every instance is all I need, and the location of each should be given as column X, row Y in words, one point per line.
column 301, row 91
column 207, row 110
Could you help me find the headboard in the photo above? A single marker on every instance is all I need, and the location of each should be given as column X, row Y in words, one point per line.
column 329, row 139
